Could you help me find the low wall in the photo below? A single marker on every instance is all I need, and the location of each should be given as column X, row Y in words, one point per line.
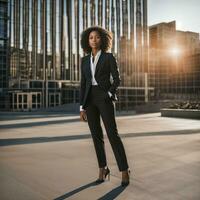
column 181, row 113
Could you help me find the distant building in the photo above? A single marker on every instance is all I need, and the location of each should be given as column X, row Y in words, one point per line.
column 174, row 62
column 41, row 50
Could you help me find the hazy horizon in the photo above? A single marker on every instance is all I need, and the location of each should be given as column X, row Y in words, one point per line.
column 186, row 13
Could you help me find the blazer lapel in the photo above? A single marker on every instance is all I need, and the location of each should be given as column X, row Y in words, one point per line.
column 99, row 63
column 88, row 66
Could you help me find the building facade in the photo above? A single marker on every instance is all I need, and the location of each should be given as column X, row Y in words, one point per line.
column 43, row 50
column 3, row 53
column 174, row 62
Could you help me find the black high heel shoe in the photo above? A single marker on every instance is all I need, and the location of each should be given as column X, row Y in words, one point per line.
column 127, row 182
column 106, row 172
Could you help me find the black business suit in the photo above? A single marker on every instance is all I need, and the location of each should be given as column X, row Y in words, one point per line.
column 97, row 102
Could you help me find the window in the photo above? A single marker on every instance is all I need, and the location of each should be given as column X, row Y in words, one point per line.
column 1, row 43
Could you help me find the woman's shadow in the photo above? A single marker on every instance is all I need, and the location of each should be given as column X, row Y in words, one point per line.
column 108, row 196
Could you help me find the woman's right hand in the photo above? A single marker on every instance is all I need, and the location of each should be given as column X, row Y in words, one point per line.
column 83, row 116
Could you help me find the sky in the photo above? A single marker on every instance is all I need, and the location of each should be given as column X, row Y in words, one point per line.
column 186, row 13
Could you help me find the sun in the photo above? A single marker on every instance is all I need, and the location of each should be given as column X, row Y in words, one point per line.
column 175, row 51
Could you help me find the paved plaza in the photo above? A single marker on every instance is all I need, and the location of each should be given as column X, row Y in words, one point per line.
column 51, row 156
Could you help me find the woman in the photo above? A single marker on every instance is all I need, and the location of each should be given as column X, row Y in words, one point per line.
column 97, row 96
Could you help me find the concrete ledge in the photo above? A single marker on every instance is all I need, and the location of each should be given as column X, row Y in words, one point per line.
column 182, row 113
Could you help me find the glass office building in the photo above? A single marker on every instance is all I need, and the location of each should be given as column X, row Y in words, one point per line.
column 3, row 54
column 41, row 44
column 174, row 62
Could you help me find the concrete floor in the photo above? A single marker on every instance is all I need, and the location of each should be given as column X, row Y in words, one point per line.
column 51, row 156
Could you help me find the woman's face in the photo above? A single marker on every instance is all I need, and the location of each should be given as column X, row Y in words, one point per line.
column 94, row 40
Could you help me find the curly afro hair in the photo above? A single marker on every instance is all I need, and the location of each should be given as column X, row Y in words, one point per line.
column 106, row 39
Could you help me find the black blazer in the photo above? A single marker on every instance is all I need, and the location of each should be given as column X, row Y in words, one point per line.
column 106, row 65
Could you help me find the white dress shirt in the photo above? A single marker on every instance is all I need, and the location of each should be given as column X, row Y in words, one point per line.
column 93, row 65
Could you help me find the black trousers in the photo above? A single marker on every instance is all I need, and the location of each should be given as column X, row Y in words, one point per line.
column 100, row 104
